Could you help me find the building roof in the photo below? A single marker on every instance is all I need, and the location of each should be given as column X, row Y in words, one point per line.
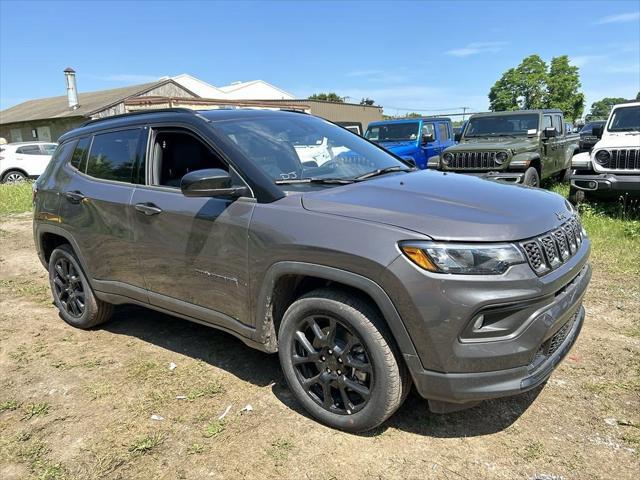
column 58, row 107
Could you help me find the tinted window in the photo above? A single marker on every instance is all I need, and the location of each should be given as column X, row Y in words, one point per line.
column 113, row 155
column 80, row 154
column 625, row 119
column 444, row 132
column 516, row 124
column 393, row 132
column 29, row 150
column 49, row 148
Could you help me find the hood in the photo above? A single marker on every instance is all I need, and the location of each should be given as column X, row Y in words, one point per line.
column 446, row 206
column 400, row 148
column 495, row 143
column 619, row 140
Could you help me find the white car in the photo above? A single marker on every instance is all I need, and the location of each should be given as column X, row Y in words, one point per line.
column 19, row 161
column 612, row 168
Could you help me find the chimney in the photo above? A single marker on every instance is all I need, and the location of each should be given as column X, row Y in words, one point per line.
column 72, row 91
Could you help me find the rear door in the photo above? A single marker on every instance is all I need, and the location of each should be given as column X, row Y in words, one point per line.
column 95, row 208
column 192, row 251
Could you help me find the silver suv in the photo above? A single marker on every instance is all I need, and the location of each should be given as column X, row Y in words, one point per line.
column 302, row 238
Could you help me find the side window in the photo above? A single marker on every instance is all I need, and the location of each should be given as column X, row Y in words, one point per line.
column 113, row 155
column 444, row 132
column 29, row 150
column 428, row 129
column 557, row 122
column 547, row 122
column 49, row 148
column 175, row 153
column 78, row 160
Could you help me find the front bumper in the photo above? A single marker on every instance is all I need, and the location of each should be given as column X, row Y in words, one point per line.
column 510, row 177
column 607, row 183
column 455, row 369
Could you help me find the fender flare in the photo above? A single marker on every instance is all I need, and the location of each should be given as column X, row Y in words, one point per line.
column 523, row 160
column 265, row 328
column 49, row 228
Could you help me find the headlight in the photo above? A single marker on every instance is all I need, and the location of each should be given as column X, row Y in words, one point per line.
column 602, row 157
column 463, row 258
column 447, row 157
column 501, row 157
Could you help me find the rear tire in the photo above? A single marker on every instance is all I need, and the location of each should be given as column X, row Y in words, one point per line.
column 576, row 196
column 340, row 361
column 72, row 293
column 531, row 178
column 13, row 176
column 565, row 175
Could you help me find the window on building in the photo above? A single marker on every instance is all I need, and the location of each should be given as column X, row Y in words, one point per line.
column 113, row 155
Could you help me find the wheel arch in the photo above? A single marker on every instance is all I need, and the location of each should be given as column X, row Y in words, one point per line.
column 48, row 237
column 284, row 282
column 13, row 169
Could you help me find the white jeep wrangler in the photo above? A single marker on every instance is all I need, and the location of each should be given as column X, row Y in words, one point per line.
column 612, row 168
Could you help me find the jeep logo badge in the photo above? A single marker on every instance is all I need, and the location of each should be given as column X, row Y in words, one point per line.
column 560, row 215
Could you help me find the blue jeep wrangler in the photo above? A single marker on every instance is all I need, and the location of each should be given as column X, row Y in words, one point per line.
column 417, row 139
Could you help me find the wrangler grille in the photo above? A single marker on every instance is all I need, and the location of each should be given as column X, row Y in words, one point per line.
column 471, row 160
column 547, row 252
column 623, row 159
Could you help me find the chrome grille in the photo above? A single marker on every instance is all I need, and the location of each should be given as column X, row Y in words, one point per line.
column 471, row 160
column 624, row 159
column 547, row 252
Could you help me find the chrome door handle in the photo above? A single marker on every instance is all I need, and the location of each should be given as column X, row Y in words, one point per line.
column 148, row 208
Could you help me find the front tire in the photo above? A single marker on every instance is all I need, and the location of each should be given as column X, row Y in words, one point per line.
column 576, row 196
column 339, row 361
column 72, row 293
column 531, row 178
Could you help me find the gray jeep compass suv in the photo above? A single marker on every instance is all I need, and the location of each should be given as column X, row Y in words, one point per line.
column 301, row 237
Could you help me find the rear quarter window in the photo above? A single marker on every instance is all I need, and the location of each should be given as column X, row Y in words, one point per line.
column 79, row 158
column 113, row 155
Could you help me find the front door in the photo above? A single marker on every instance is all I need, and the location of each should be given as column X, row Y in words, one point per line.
column 430, row 148
column 192, row 251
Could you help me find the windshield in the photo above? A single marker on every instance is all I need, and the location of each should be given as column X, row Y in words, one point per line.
column 625, row 119
column 503, row 125
column 588, row 128
column 393, row 132
column 298, row 147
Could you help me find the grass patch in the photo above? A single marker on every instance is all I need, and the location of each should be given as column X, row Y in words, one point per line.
column 533, row 451
column 195, row 449
column 27, row 288
column 280, row 450
column 15, row 197
column 214, row 429
column 9, row 406
column 32, row 410
column 98, row 390
column 214, row 388
column 146, row 444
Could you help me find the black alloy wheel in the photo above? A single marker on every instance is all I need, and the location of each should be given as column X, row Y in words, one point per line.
column 68, row 287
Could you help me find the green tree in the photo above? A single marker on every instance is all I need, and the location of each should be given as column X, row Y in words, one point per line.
column 523, row 87
column 638, row 96
column 563, row 84
column 602, row 108
column 367, row 101
column 327, row 97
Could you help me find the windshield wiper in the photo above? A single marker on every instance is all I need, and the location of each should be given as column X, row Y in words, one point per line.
column 326, row 181
column 382, row 171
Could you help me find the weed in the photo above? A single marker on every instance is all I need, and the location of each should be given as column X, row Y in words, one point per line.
column 35, row 410
column 533, row 451
column 9, row 405
column 51, row 472
column 142, row 370
column 145, row 444
column 195, row 449
column 214, row 429
column 28, row 288
column 209, row 390
column 279, row 451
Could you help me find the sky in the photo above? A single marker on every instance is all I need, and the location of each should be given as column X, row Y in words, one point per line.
column 430, row 56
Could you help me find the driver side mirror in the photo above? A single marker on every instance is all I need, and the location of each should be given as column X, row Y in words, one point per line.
column 211, row 182
column 457, row 137
column 597, row 132
column 427, row 138
column 549, row 132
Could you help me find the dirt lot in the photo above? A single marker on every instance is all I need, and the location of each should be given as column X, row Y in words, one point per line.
column 79, row 404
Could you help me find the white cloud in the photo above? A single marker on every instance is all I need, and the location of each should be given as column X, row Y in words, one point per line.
column 477, row 48
column 627, row 68
column 620, row 18
column 582, row 60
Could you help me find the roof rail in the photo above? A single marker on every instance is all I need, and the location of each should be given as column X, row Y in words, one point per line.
column 141, row 112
